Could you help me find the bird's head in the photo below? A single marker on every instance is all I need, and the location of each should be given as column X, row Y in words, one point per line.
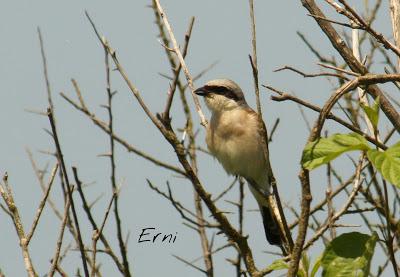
column 221, row 95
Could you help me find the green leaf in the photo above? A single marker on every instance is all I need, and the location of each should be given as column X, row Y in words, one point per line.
column 324, row 150
column 305, row 262
column 301, row 273
column 349, row 255
column 278, row 265
column 316, row 266
column 372, row 112
column 387, row 163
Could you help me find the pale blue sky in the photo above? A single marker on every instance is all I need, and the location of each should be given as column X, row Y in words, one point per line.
column 221, row 33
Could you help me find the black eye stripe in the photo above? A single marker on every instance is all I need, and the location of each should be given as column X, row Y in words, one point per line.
column 217, row 89
column 222, row 91
column 231, row 95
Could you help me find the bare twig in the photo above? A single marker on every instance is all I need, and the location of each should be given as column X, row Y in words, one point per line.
column 346, row 206
column 305, row 179
column 389, row 236
column 283, row 96
column 225, row 191
column 172, row 89
column 122, row 246
column 88, row 212
column 313, row 50
column 273, row 202
column 97, row 234
column 320, row 205
column 179, row 207
column 39, row 175
column 190, row 264
column 395, row 15
column 273, row 129
column 55, row 260
column 182, row 62
column 41, row 205
column 352, row 14
column 352, row 62
column 253, row 57
column 6, row 193
column 69, row 189
column 45, row 72
column 362, row 97
column 180, row 151
column 354, row 26
column 339, row 69
column 306, row 75
column 102, row 125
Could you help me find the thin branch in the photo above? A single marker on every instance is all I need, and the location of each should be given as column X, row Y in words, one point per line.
column 45, row 72
column 339, row 69
column 313, row 50
column 97, row 233
column 69, row 189
column 343, row 210
column 395, row 16
column 178, row 206
column 102, row 125
column 253, row 57
column 354, row 26
column 39, row 175
column 121, row 70
column 225, row 191
column 122, row 246
column 6, row 193
column 41, row 205
column 189, row 264
column 283, row 96
column 273, row 129
column 172, row 89
column 55, row 259
column 305, row 178
column 306, row 75
column 378, row 36
column 241, row 223
column 323, row 202
column 180, row 151
column 88, row 212
column 275, row 203
column 389, row 237
column 353, row 63
column 182, row 62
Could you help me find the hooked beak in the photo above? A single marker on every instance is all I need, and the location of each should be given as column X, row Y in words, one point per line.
column 202, row 91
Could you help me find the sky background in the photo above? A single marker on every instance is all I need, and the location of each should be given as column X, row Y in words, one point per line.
column 221, row 33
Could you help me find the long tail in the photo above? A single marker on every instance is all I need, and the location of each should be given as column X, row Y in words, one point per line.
column 271, row 227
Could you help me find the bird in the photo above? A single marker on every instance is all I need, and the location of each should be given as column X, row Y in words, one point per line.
column 234, row 137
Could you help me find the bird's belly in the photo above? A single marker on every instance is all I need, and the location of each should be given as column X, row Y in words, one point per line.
column 239, row 155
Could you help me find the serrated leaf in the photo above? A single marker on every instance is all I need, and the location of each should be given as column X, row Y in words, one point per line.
column 349, row 255
column 324, row 150
column 278, row 264
column 387, row 163
column 372, row 112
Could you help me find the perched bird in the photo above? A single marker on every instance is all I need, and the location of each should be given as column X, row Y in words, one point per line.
column 234, row 136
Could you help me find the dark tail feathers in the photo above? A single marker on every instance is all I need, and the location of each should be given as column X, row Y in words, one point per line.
column 271, row 227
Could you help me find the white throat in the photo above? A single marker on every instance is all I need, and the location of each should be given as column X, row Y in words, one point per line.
column 219, row 104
